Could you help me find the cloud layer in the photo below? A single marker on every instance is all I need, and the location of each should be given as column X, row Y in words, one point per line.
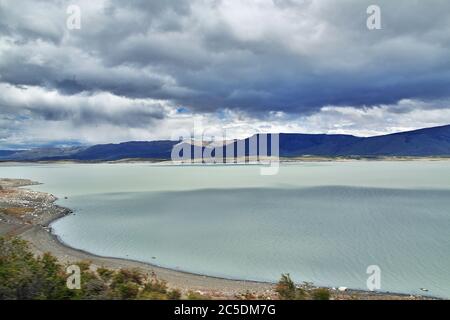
column 282, row 64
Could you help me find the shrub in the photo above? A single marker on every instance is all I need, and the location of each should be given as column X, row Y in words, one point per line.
column 125, row 275
column 94, row 289
column 105, row 274
column 192, row 295
column 321, row 294
column 126, row 291
column 149, row 295
column 174, row 294
column 286, row 288
column 155, row 285
column 24, row 276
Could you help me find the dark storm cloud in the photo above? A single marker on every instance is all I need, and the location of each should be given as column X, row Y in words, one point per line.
column 294, row 56
column 81, row 116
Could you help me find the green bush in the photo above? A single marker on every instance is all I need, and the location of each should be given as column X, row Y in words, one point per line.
column 321, row 294
column 197, row 296
column 126, row 291
column 174, row 294
column 286, row 288
column 23, row 276
column 155, row 285
column 105, row 274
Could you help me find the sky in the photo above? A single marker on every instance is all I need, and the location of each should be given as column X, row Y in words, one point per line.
column 146, row 69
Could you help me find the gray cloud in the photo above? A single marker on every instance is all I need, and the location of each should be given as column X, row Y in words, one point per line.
column 252, row 57
column 286, row 55
column 81, row 109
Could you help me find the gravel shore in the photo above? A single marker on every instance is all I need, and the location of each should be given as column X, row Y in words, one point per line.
column 27, row 214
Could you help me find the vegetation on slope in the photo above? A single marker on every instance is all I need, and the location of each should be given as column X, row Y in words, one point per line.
column 24, row 276
column 287, row 290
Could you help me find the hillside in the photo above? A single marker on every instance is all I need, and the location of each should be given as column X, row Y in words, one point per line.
column 418, row 143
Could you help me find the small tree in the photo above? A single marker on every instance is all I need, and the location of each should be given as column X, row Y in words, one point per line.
column 286, row 287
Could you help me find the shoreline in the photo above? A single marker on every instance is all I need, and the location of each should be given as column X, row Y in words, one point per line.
column 39, row 234
column 237, row 161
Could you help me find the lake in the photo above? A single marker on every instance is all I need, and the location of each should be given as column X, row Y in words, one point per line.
column 323, row 222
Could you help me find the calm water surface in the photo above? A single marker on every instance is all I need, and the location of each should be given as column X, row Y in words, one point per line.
column 320, row 222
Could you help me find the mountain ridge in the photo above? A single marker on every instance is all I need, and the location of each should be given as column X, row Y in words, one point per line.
column 425, row 142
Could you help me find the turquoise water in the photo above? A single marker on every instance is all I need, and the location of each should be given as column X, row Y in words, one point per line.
column 321, row 222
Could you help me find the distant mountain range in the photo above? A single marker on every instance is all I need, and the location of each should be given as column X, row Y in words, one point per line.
column 418, row 143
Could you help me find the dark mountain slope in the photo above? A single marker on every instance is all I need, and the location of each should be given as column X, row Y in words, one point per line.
column 136, row 149
column 424, row 142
